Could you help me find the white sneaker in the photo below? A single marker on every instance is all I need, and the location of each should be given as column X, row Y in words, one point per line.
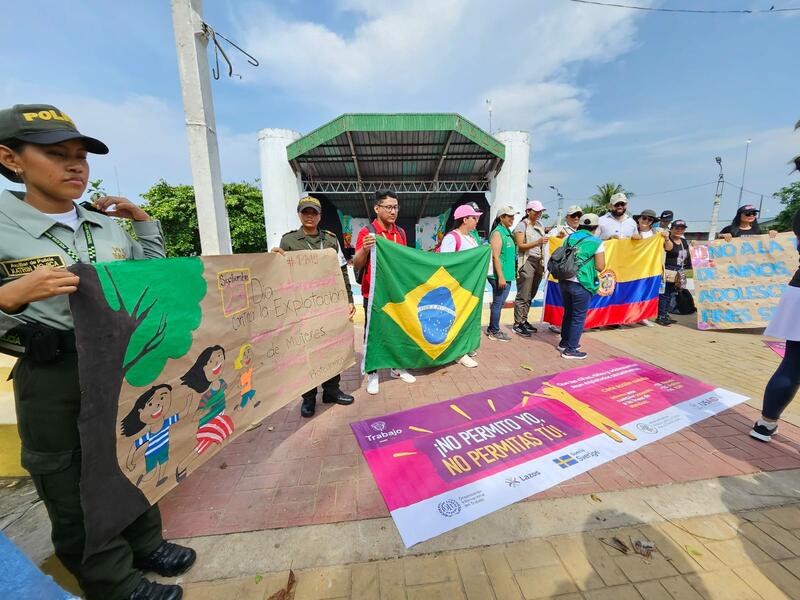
column 373, row 383
column 404, row 375
column 467, row 361
column 648, row 323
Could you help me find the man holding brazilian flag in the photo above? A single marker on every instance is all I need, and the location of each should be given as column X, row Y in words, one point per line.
column 424, row 307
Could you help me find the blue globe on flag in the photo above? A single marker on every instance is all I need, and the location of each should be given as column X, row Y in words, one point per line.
column 437, row 313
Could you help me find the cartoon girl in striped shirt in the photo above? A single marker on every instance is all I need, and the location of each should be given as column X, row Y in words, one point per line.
column 214, row 427
column 150, row 411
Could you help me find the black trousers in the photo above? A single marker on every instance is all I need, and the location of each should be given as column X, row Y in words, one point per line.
column 48, row 401
column 329, row 387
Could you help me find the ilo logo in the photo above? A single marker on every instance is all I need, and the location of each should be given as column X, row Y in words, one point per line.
column 378, row 426
column 449, row 508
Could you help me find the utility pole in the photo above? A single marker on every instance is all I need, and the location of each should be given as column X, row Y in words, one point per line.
column 760, row 204
column 744, row 171
column 712, row 228
column 191, row 41
column 560, row 205
column 489, row 103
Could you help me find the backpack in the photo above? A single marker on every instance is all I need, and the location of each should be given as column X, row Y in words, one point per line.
column 458, row 242
column 684, row 304
column 359, row 273
column 564, row 263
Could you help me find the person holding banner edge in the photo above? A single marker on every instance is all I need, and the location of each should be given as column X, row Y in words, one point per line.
column 311, row 237
column 42, row 231
column 784, row 383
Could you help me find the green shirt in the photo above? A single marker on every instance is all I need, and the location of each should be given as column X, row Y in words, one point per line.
column 23, row 246
column 508, row 253
column 587, row 248
column 299, row 240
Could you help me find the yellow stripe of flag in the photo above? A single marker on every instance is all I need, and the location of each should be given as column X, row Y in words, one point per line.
column 629, row 259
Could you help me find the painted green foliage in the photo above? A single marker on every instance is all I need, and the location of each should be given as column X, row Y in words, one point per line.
column 160, row 307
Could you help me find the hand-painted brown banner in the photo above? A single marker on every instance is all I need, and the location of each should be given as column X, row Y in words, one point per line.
column 738, row 284
column 179, row 356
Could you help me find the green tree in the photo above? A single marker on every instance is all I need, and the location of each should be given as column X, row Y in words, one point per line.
column 789, row 196
column 600, row 200
column 174, row 206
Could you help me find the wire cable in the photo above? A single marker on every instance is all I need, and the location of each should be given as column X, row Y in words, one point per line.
column 691, row 187
column 741, row 11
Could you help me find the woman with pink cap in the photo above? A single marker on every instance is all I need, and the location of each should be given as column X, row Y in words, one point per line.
column 463, row 237
column 530, row 237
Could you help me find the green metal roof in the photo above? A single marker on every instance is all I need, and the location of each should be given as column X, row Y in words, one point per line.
column 369, row 122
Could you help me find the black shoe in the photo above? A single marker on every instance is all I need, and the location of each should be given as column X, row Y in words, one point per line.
column 671, row 320
column 179, row 475
column 337, row 397
column 308, row 407
column 762, row 433
column 663, row 321
column 168, row 560
column 150, row 590
column 529, row 327
column 520, row 329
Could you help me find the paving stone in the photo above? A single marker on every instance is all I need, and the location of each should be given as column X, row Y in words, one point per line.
column 319, row 584
column 474, row 576
column 721, row 584
column 770, row 581
column 637, row 569
column 530, row 554
column 738, row 552
column 436, row 591
column 365, row 584
column 702, row 556
column 652, row 590
column 787, row 517
column 392, row 579
column 545, row 582
column 573, row 556
column 243, row 588
column 503, row 583
column 618, row 592
column 675, row 554
column 421, row 570
column 793, row 566
column 679, row 589
column 766, row 542
column 602, row 563
column 785, row 538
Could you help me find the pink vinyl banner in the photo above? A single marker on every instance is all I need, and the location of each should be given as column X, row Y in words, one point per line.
column 445, row 464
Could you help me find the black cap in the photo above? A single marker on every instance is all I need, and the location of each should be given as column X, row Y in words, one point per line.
column 678, row 223
column 666, row 214
column 746, row 208
column 41, row 124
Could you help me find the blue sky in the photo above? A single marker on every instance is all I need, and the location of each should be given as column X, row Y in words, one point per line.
column 644, row 99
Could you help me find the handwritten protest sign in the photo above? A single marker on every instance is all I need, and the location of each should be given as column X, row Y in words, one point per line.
column 442, row 465
column 738, row 284
column 179, row 356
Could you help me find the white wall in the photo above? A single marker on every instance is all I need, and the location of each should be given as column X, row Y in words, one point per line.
column 280, row 186
column 510, row 186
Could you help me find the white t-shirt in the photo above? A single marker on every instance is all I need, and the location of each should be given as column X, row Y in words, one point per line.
column 609, row 227
column 70, row 219
column 532, row 233
column 647, row 234
column 449, row 242
column 601, row 249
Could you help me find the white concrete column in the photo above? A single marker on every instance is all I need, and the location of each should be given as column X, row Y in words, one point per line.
column 280, row 186
column 510, row 186
column 191, row 43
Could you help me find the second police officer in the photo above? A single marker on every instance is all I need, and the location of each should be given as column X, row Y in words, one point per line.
column 310, row 237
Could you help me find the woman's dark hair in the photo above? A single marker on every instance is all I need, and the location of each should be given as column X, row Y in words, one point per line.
column 458, row 223
column 195, row 377
column 132, row 424
column 755, row 228
column 495, row 223
column 587, row 227
column 13, row 143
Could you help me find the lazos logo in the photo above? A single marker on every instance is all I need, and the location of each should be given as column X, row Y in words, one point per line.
column 378, row 426
column 449, row 508
column 647, row 428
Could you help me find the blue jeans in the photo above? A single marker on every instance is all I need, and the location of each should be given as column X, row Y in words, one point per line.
column 783, row 385
column 666, row 300
column 498, row 299
column 576, row 300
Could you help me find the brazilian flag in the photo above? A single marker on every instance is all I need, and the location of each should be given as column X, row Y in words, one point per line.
column 424, row 307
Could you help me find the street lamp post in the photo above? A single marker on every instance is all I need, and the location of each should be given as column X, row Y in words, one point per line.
column 744, row 171
column 712, row 229
column 560, row 205
column 489, row 104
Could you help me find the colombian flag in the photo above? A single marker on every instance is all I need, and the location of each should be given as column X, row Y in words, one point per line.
column 629, row 286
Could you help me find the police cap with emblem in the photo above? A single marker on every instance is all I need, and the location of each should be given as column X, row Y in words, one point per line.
column 309, row 202
column 41, row 124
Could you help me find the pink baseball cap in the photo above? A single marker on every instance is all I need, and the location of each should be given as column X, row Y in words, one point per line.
column 465, row 210
column 534, row 205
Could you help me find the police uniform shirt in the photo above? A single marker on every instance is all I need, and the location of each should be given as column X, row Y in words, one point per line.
column 24, row 245
column 299, row 240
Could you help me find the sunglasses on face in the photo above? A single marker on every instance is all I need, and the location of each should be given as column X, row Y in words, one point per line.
column 575, row 215
column 750, row 213
column 651, row 219
column 622, row 204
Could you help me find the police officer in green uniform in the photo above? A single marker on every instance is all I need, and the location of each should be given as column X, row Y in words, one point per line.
column 42, row 231
column 311, row 237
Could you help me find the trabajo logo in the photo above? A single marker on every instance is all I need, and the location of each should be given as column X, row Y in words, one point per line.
column 378, row 425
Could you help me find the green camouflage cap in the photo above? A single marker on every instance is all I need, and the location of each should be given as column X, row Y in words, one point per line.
column 41, row 124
